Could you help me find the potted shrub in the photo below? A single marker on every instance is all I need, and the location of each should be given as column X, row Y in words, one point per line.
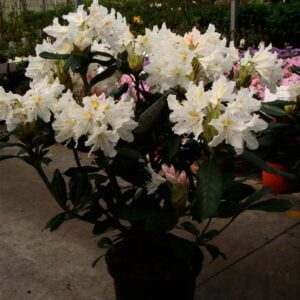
column 280, row 143
column 158, row 118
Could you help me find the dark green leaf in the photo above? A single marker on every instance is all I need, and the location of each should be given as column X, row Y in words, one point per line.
column 72, row 63
column 259, row 163
column 56, row 221
column 161, row 222
column 280, row 103
column 76, row 170
column 129, row 153
column 214, row 251
column 272, row 205
column 273, row 110
column 190, row 227
column 80, row 188
column 4, row 157
column 97, row 260
column 4, row 145
column 256, row 196
column 266, row 140
column 102, row 226
column 238, row 192
column 173, row 145
column 100, row 53
column 209, row 189
column 59, row 186
column 132, row 213
column 103, row 75
column 48, row 55
column 105, row 242
column 105, row 63
column 210, row 234
column 151, row 115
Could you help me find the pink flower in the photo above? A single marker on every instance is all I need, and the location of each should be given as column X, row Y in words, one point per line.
column 132, row 87
column 174, row 176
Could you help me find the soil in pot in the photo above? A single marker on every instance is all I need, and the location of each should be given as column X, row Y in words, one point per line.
column 152, row 268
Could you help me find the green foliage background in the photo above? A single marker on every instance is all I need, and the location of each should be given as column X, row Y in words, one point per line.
column 276, row 23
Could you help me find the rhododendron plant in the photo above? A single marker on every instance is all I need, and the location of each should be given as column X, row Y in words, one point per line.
column 157, row 114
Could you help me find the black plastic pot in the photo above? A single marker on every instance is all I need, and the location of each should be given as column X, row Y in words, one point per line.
column 154, row 269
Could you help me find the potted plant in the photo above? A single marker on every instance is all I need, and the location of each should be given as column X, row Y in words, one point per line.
column 280, row 143
column 158, row 118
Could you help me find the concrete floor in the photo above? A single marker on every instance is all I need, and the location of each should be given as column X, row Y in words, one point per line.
column 36, row 264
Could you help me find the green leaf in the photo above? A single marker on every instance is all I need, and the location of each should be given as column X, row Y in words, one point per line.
column 190, row 227
column 151, row 115
column 100, row 53
column 48, row 55
column 214, row 251
column 272, row 205
column 132, row 213
column 129, row 153
column 210, row 234
column 80, row 188
column 256, row 196
column 161, row 222
column 72, row 63
column 105, row 63
column 59, row 186
column 56, row 221
column 102, row 226
column 75, row 170
column 103, row 75
column 4, row 145
column 173, row 145
column 209, row 189
column 272, row 110
column 259, row 163
column 105, row 242
column 97, row 260
column 4, row 157
column 280, row 103
column 237, row 192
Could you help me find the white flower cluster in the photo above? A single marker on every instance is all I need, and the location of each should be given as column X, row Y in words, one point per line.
column 171, row 56
column 266, row 64
column 101, row 119
column 231, row 114
column 100, row 29
column 39, row 101
column 224, row 113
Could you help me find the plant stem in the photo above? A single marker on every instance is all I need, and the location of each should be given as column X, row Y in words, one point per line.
column 227, row 225
column 77, row 159
column 205, row 228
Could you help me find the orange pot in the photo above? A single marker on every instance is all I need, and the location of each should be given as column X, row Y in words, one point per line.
column 278, row 183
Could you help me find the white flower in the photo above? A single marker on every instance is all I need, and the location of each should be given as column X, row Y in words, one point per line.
column 235, row 129
column 81, row 38
column 222, row 90
column 5, row 103
column 77, row 18
column 266, row 64
column 188, row 115
column 104, row 139
column 230, row 129
column 39, row 100
column 56, row 30
column 155, row 181
column 244, row 102
column 283, row 92
column 64, row 110
column 170, row 58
